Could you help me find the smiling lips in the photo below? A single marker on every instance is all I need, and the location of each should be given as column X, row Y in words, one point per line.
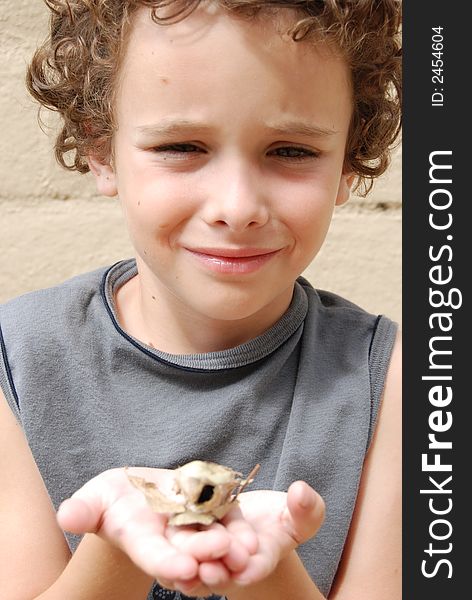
column 233, row 261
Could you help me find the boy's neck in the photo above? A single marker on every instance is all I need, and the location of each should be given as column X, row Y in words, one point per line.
column 171, row 329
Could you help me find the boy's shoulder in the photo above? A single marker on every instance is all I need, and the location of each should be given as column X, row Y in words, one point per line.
column 79, row 286
column 344, row 327
column 45, row 332
column 43, row 311
column 331, row 302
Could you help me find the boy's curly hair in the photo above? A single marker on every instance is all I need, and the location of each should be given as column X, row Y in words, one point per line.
column 74, row 72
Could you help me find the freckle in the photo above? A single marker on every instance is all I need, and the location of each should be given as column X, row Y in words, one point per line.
column 164, row 80
column 151, row 344
column 154, row 297
column 139, row 202
column 145, row 253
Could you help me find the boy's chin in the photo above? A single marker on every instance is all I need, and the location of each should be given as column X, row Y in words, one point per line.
column 242, row 308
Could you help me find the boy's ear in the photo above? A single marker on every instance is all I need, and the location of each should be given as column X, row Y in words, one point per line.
column 344, row 189
column 105, row 177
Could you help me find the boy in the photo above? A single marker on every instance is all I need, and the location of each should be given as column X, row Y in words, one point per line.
column 229, row 130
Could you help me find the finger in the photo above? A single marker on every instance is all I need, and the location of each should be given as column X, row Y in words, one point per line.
column 213, row 574
column 166, row 583
column 237, row 557
column 259, row 566
column 160, row 559
column 304, row 513
column 241, row 530
column 193, row 588
column 203, row 545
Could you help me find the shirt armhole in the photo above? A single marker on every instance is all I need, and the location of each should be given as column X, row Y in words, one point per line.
column 380, row 352
column 6, row 380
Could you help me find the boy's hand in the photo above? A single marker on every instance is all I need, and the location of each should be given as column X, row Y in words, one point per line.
column 243, row 549
column 279, row 521
column 111, row 507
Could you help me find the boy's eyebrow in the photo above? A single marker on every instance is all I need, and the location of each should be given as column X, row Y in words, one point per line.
column 170, row 127
column 174, row 126
column 301, row 128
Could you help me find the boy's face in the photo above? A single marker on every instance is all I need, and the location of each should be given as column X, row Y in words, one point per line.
column 228, row 160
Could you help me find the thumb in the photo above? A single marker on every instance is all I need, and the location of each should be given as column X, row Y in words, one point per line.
column 78, row 516
column 304, row 513
column 83, row 512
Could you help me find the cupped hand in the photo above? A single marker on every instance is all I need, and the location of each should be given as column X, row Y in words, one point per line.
column 244, row 548
column 281, row 521
column 277, row 521
column 111, row 507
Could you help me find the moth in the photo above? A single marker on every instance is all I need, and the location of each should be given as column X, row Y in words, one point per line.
column 203, row 492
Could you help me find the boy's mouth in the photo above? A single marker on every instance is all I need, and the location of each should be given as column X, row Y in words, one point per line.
column 233, row 260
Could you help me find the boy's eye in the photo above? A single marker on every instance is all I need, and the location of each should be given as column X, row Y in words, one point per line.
column 178, row 149
column 186, row 150
column 294, row 153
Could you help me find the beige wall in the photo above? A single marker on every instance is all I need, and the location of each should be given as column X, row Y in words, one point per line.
column 53, row 225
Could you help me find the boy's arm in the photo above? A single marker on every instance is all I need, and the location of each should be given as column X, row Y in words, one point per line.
column 34, row 557
column 33, row 551
column 371, row 564
column 288, row 580
column 100, row 571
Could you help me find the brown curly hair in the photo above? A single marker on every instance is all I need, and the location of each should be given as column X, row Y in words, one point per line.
column 74, row 72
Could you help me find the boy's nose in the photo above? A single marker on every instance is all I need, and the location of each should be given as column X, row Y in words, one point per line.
column 237, row 200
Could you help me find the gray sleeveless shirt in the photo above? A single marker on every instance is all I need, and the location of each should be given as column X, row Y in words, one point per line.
column 301, row 399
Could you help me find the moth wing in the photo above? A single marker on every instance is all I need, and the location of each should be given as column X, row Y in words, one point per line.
column 161, row 504
column 156, row 499
column 140, row 483
column 220, row 511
